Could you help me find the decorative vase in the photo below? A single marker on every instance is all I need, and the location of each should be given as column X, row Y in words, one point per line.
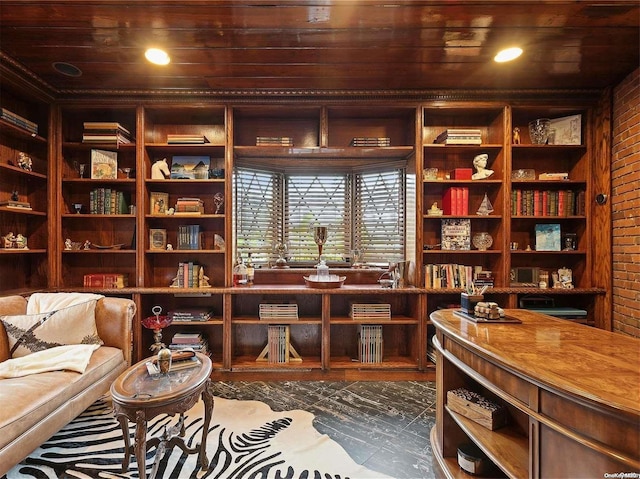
column 539, row 131
column 482, row 241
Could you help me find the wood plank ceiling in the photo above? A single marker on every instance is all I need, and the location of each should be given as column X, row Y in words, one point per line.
column 332, row 45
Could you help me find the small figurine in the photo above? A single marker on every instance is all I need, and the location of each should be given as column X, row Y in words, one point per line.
column 434, row 210
column 8, row 240
column 171, row 211
column 87, row 245
column 516, row 136
column 68, row 244
column 20, row 242
column 203, row 280
column 169, row 247
column 565, row 278
column 160, row 170
column 24, row 161
column 480, row 164
column 14, row 195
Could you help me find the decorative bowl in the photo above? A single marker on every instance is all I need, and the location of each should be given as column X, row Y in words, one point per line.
column 333, row 282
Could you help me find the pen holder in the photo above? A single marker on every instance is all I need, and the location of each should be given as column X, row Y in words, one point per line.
column 468, row 302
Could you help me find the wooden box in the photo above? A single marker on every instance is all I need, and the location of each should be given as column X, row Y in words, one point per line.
column 477, row 408
column 461, row 174
column 468, row 302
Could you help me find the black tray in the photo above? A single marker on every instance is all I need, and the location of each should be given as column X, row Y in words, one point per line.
column 475, row 319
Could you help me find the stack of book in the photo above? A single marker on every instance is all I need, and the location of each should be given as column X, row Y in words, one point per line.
column 19, row 121
column 274, row 141
column 105, row 201
column 459, row 136
column 173, row 139
column 483, row 278
column 189, row 206
column 105, row 132
column 19, row 205
column 370, row 141
column 370, row 343
column 190, row 237
column 190, row 314
column 455, row 201
column 105, row 280
column 195, row 341
column 370, row 311
column 270, row 312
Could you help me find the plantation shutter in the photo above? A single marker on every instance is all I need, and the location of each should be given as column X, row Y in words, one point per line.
column 258, row 217
column 379, row 223
column 323, row 200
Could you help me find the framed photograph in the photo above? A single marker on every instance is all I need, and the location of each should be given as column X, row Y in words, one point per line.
column 566, row 130
column 190, row 167
column 157, row 238
column 104, row 165
column 159, row 203
column 548, row 237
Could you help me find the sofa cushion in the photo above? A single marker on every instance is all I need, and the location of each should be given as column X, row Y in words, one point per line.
column 28, row 400
column 74, row 324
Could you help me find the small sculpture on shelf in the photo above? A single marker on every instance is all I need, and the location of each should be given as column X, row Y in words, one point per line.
column 434, row 210
column 169, row 247
column 486, row 207
column 218, row 200
column 13, row 241
column 160, row 170
column 563, row 279
column 24, row 161
column 15, row 196
column 516, row 136
column 480, row 164
column 86, row 245
column 68, row 244
column 281, row 248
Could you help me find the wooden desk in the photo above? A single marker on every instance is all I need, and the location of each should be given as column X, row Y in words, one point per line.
column 572, row 393
column 138, row 396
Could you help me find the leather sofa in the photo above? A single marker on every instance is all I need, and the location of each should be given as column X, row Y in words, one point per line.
column 35, row 407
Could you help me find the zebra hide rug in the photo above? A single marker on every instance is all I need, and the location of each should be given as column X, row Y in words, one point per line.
column 246, row 440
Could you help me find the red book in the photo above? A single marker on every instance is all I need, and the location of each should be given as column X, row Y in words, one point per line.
column 465, row 201
column 448, row 202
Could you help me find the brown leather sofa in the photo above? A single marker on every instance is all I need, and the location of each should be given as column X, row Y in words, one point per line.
column 35, row 407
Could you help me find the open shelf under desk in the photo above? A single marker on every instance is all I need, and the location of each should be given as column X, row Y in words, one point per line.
column 508, row 449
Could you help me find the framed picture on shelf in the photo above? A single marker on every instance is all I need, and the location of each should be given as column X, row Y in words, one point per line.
column 566, row 130
column 159, row 203
column 548, row 237
column 104, row 165
column 190, row 167
column 157, row 239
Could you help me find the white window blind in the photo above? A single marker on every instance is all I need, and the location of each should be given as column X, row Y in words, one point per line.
column 364, row 210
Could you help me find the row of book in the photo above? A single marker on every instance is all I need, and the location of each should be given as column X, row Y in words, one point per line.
column 274, row 141
column 190, row 237
column 189, row 206
column 19, row 121
column 548, row 203
column 105, row 132
column 190, row 314
column 175, row 139
column 370, row 343
column 370, row 141
column 459, row 136
column 188, row 275
column 105, row 201
column 452, row 276
column 105, row 280
column 455, row 201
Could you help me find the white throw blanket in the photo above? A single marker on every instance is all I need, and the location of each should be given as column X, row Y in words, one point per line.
column 74, row 357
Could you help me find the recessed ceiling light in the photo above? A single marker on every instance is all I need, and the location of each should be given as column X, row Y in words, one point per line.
column 508, row 54
column 157, row 56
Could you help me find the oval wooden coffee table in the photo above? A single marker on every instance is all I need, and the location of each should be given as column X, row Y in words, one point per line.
column 139, row 396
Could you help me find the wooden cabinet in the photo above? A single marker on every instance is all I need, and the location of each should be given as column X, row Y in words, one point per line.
column 563, row 420
column 24, row 191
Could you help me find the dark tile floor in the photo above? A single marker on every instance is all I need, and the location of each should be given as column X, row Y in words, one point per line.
column 383, row 425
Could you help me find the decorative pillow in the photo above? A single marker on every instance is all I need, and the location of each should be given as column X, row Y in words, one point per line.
column 29, row 333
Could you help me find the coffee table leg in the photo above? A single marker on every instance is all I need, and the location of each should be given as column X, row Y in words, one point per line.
column 207, row 398
column 124, row 425
column 141, row 443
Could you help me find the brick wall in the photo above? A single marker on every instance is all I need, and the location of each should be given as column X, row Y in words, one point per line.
column 625, row 204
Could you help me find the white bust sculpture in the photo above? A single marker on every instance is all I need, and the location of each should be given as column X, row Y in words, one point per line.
column 160, row 170
column 480, row 164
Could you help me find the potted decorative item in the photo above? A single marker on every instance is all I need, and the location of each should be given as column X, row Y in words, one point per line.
column 482, row 240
